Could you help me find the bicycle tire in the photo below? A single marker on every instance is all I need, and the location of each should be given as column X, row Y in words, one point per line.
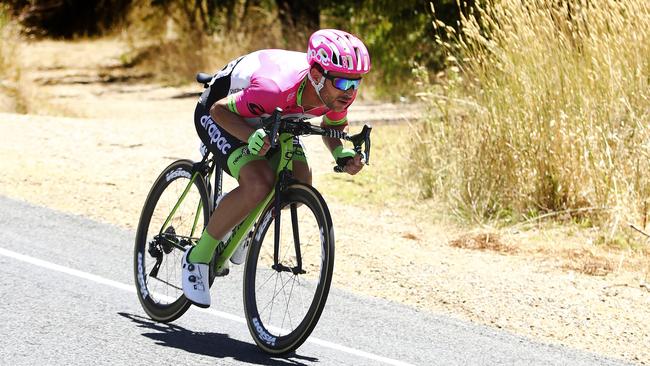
column 166, row 245
column 270, row 336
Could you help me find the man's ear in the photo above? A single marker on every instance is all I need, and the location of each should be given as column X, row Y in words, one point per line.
column 315, row 73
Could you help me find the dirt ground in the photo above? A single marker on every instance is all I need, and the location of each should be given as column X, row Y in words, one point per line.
column 101, row 164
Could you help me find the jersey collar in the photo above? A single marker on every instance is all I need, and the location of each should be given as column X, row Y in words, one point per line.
column 301, row 89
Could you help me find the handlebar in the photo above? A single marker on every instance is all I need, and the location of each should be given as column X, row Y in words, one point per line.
column 274, row 125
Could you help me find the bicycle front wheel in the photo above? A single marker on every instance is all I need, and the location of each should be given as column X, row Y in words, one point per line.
column 173, row 218
column 286, row 286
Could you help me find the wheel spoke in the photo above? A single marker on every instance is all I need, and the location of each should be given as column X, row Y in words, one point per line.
column 163, row 288
column 288, row 296
column 168, row 284
column 286, row 310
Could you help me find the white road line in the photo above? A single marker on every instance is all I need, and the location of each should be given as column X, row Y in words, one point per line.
column 221, row 314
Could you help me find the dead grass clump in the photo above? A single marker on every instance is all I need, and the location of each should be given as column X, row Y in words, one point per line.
column 586, row 262
column 483, row 241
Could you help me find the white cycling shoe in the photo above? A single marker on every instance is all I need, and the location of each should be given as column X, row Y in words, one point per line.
column 195, row 280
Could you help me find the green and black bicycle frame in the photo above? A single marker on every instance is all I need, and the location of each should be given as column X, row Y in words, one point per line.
column 281, row 133
column 287, row 129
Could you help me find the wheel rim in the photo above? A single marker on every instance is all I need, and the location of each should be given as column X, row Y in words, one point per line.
column 285, row 297
column 164, row 250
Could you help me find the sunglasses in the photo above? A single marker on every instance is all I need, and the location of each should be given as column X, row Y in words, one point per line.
column 343, row 83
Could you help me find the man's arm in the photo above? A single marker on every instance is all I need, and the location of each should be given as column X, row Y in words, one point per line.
column 230, row 121
column 335, row 146
column 251, row 102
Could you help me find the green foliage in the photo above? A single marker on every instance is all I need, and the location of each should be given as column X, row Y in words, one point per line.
column 397, row 34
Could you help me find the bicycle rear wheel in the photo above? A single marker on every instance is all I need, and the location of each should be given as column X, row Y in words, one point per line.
column 162, row 238
column 284, row 299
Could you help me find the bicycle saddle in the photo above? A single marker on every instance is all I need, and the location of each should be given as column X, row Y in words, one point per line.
column 203, row 78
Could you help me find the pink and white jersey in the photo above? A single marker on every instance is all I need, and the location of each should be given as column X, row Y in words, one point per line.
column 266, row 79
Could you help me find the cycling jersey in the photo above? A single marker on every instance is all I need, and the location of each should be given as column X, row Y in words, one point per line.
column 266, row 79
column 255, row 85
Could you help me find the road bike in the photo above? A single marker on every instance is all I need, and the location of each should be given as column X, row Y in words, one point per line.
column 289, row 259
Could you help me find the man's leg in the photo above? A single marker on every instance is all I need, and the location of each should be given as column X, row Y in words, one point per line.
column 255, row 182
column 302, row 171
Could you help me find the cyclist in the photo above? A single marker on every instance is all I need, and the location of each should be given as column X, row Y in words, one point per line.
column 322, row 82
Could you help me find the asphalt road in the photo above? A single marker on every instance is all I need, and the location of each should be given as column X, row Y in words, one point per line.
column 68, row 298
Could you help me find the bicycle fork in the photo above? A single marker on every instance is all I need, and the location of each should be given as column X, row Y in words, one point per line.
column 279, row 267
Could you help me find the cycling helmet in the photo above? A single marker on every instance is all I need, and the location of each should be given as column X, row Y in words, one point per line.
column 338, row 51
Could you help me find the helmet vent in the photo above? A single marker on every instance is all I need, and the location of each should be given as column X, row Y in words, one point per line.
column 358, row 58
column 335, row 59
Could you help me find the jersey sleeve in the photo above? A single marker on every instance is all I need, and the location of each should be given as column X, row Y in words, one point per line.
column 259, row 99
column 337, row 120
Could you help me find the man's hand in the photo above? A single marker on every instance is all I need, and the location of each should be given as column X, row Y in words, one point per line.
column 354, row 165
column 258, row 142
column 354, row 162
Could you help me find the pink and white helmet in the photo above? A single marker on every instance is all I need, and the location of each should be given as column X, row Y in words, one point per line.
column 338, row 51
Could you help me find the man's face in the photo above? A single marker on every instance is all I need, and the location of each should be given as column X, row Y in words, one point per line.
column 334, row 98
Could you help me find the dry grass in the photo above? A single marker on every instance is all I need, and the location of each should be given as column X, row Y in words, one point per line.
column 558, row 247
column 544, row 109
column 17, row 93
column 382, row 182
column 587, row 262
column 484, row 241
column 11, row 98
column 7, row 43
column 173, row 48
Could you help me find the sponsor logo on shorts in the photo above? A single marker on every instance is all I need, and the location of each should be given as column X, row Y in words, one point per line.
column 215, row 134
column 238, row 158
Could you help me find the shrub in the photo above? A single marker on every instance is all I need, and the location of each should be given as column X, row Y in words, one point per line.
column 543, row 109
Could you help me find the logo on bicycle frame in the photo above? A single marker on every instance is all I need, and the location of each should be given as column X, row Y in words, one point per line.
column 223, row 244
column 297, row 152
column 265, row 222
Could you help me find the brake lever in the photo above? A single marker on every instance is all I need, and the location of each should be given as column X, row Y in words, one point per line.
column 362, row 138
column 276, row 120
column 366, row 142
